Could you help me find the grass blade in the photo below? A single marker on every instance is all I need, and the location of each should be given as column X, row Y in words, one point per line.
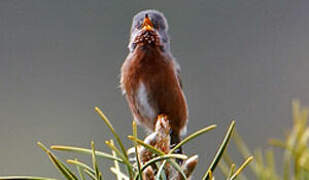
column 148, row 146
column 134, row 128
column 192, row 136
column 163, row 157
column 159, row 173
column 220, row 151
column 121, row 155
column 84, row 151
column 110, row 126
column 247, row 161
column 92, row 176
column 24, row 178
column 81, row 165
column 60, row 167
column 210, row 175
column 160, row 158
column 158, row 152
column 58, row 164
column 80, row 172
column 231, row 171
column 178, row 168
column 94, row 162
column 119, row 174
column 116, row 170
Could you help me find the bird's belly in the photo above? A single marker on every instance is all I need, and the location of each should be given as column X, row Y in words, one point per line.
column 156, row 96
column 145, row 108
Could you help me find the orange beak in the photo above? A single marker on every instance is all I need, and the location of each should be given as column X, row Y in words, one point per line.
column 147, row 24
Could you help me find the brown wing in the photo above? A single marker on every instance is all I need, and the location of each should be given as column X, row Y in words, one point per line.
column 178, row 77
column 178, row 71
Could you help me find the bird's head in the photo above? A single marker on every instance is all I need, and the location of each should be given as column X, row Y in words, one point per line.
column 149, row 28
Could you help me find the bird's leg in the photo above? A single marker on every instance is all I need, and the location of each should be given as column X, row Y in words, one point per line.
column 175, row 139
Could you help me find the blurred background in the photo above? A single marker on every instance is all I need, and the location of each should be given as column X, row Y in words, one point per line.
column 242, row 60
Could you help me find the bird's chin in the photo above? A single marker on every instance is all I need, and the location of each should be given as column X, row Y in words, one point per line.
column 147, row 38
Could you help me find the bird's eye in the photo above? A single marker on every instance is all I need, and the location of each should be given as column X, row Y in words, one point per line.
column 156, row 25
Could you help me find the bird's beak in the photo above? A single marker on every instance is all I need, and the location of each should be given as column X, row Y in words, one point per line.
column 147, row 24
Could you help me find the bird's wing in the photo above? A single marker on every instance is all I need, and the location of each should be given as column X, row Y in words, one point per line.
column 178, row 71
column 178, row 77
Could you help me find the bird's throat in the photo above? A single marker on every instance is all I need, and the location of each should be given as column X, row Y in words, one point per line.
column 147, row 39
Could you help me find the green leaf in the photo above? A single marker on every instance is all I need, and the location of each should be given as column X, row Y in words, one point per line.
column 116, row 170
column 148, row 146
column 120, row 175
column 121, row 155
column 163, row 157
column 158, row 152
column 81, row 165
column 232, row 169
column 134, row 128
column 110, row 126
column 58, row 164
column 92, row 176
column 94, row 162
column 24, row 178
column 192, row 136
column 84, row 151
column 220, row 151
column 247, row 161
column 80, row 172
column 160, row 172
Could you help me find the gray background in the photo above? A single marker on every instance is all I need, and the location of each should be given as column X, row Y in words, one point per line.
column 243, row 60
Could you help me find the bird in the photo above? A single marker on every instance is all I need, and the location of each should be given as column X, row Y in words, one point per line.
column 150, row 76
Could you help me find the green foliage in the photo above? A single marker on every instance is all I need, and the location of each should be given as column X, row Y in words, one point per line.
column 120, row 157
column 296, row 152
column 220, row 152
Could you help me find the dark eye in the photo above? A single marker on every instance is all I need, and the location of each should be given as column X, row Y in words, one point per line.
column 156, row 25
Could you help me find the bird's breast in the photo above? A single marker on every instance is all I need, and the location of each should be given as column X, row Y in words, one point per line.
column 152, row 88
column 146, row 64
